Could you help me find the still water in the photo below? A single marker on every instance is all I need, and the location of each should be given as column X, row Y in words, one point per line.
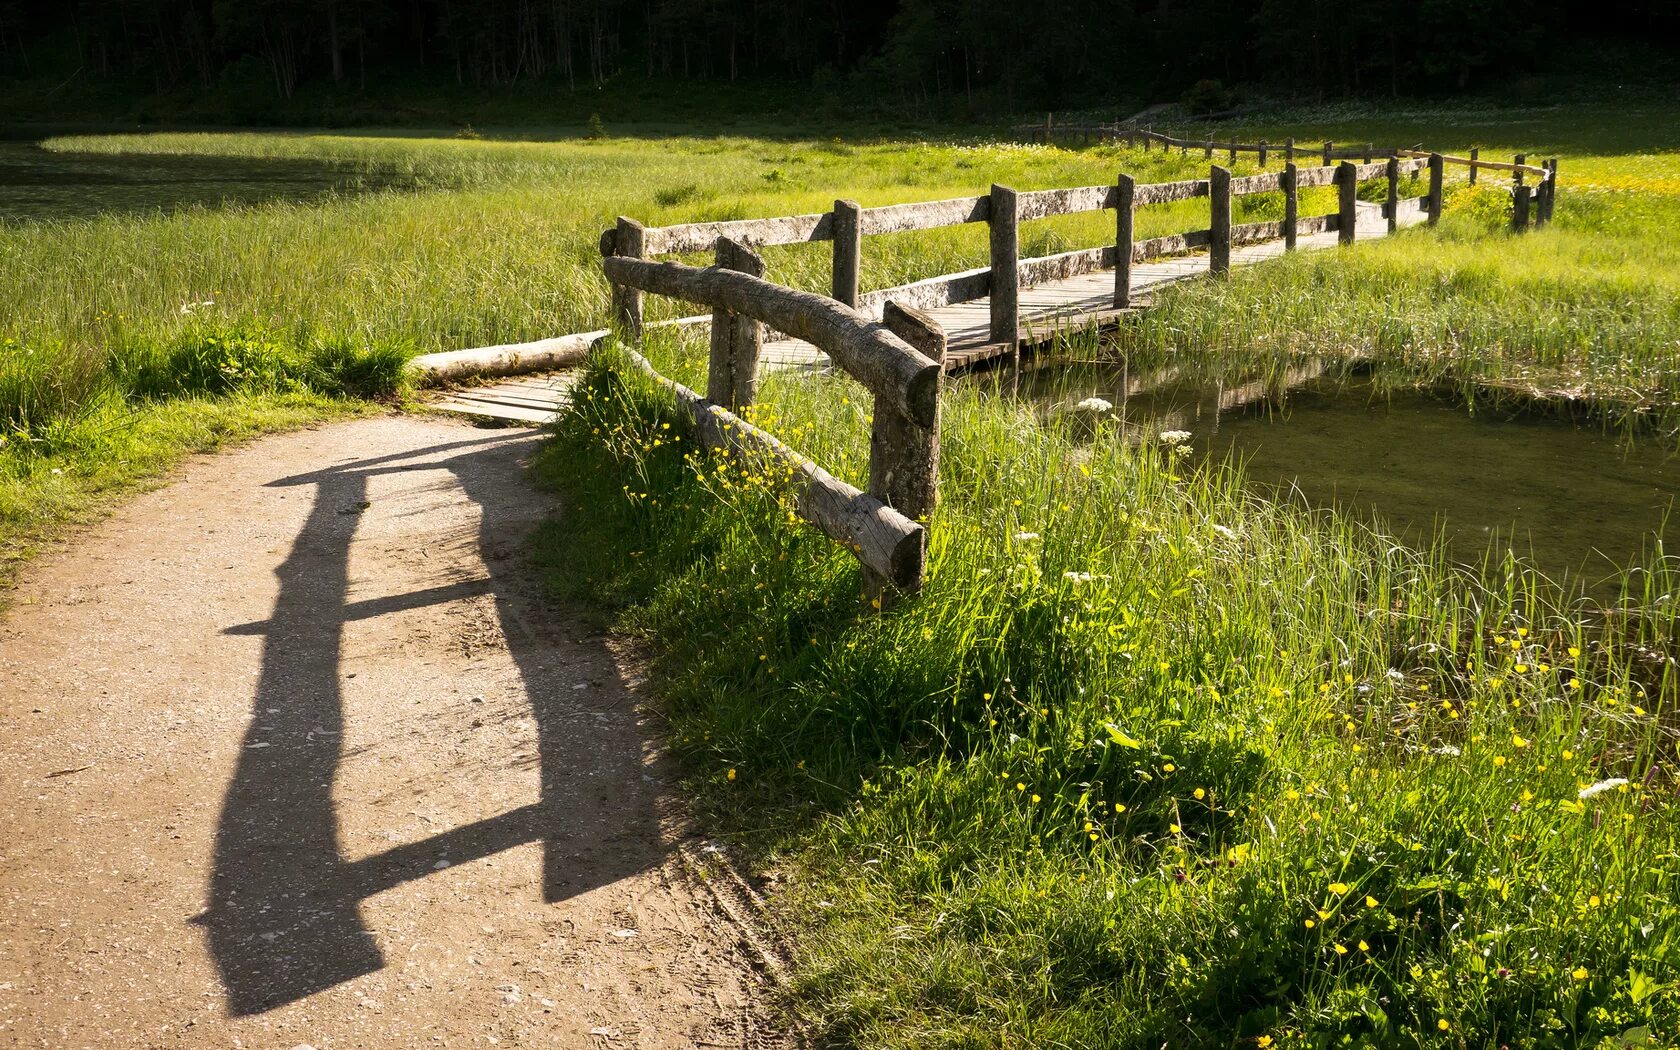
column 37, row 184
column 1568, row 497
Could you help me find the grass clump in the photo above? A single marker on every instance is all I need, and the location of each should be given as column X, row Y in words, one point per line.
column 1150, row 759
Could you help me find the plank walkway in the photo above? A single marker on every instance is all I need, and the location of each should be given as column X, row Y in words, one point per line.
column 1047, row 310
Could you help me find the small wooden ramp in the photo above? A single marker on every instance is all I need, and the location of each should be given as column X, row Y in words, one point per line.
column 529, row 400
column 1047, row 310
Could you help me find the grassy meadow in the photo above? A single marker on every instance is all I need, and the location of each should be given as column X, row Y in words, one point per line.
column 1152, row 760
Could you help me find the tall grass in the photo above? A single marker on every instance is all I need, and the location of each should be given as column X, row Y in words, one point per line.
column 1150, row 759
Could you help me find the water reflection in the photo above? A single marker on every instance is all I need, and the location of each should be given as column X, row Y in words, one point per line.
column 1568, row 497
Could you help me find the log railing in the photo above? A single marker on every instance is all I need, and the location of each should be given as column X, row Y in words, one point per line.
column 885, row 341
column 898, row 359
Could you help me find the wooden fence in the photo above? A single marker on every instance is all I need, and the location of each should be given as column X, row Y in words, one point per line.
column 885, row 340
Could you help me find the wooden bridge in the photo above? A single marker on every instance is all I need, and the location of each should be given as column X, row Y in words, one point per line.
column 900, row 342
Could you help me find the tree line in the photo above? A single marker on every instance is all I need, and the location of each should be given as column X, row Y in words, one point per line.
column 1002, row 53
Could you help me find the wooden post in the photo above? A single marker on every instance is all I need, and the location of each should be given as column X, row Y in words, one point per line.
column 1146, row 140
column 1049, row 121
column 847, row 222
column 1219, row 230
column 1005, row 281
column 1207, row 150
column 1370, row 152
column 1233, row 153
column 1291, row 206
column 1437, row 175
column 627, row 301
column 1289, row 150
column 1475, row 153
column 732, row 375
column 1517, row 176
column 1263, row 153
column 1347, row 189
column 903, row 455
column 1329, row 148
column 1551, row 192
column 1393, row 205
column 1519, row 207
column 1124, row 189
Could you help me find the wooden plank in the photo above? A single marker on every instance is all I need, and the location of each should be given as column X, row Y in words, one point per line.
column 1167, row 192
column 1066, row 264
column 1171, row 244
column 1268, row 183
column 701, row 236
column 930, row 215
column 1040, row 204
column 1310, row 178
column 931, row 293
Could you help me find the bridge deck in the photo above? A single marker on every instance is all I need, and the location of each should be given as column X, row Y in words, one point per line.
column 1046, row 310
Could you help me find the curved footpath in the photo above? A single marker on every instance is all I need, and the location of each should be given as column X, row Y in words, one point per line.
column 293, row 753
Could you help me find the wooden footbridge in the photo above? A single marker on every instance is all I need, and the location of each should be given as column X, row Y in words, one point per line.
column 900, row 342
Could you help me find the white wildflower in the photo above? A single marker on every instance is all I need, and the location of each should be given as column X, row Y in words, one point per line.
column 1601, row 787
column 1081, row 577
column 1025, row 537
column 1094, row 405
column 1174, row 437
column 1225, row 531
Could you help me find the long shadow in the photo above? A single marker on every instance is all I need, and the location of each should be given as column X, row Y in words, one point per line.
column 284, row 919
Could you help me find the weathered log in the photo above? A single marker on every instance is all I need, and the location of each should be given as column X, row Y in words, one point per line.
column 700, row 236
column 1167, row 192
column 1064, row 264
column 1257, row 184
column 871, row 354
column 1291, row 202
column 1437, row 172
column 737, row 339
column 1125, row 187
column 628, row 242
column 883, row 539
column 1170, row 244
column 1371, row 171
column 1309, row 178
column 1255, row 232
column 1347, row 187
column 926, row 215
column 848, row 251
column 1040, row 204
column 1005, row 252
column 932, row 293
column 1219, row 230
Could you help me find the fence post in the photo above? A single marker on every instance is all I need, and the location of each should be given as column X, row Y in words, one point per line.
column 1049, row 122
column 1146, row 140
column 847, row 223
column 1517, row 176
column 1233, row 153
column 1289, row 150
column 1370, row 151
column 1393, row 205
column 1347, row 190
column 1551, row 192
column 904, row 456
column 1519, row 208
column 1437, row 174
column 732, row 372
column 1219, row 230
column 1124, row 188
column 1475, row 154
column 1005, row 282
column 1329, row 148
column 1263, row 145
column 1291, row 206
column 627, row 301
column 1207, row 150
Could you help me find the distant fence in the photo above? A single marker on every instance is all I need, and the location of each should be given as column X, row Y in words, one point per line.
column 885, row 341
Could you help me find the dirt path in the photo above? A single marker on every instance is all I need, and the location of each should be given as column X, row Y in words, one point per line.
column 292, row 752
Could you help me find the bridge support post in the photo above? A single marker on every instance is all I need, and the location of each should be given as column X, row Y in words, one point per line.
column 627, row 301
column 904, row 455
column 1005, row 278
column 1347, row 196
column 1392, row 207
column 1124, row 189
column 1291, row 206
column 1437, row 174
column 1475, row 154
column 1219, row 230
column 732, row 372
column 847, row 223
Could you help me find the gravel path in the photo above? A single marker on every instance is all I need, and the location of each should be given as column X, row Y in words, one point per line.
column 292, row 752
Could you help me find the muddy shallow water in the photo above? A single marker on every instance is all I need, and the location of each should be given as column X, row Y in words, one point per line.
column 1566, row 496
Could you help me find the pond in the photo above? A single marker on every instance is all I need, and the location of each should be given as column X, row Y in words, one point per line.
column 38, row 184
column 1572, row 500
